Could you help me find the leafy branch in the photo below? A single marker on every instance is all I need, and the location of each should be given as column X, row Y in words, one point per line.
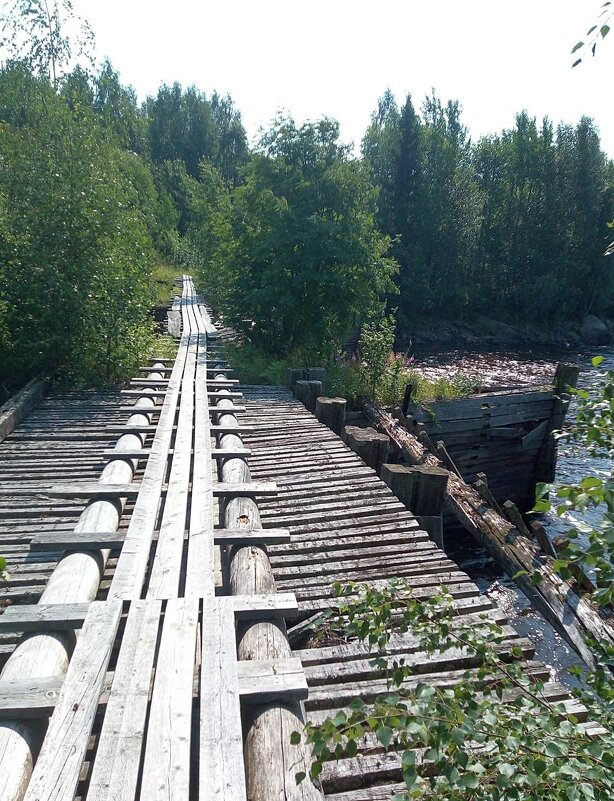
column 492, row 735
column 595, row 33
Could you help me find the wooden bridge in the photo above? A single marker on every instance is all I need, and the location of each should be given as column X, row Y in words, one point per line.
column 158, row 542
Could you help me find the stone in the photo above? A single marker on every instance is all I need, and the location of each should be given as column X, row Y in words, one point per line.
column 594, row 331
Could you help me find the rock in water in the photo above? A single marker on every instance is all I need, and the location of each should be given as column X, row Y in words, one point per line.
column 594, row 331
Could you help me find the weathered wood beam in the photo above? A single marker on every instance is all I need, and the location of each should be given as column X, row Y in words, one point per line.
column 574, row 616
column 271, row 761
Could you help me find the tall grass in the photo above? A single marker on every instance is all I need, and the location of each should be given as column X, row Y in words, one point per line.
column 352, row 378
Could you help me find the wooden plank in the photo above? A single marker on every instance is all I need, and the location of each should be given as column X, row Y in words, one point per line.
column 59, row 763
column 118, row 756
column 264, row 680
column 149, row 382
column 230, row 453
column 78, row 541
column 34, row 617
column 139, row 393
column 238, row 490
column 253, row 536
column 222, row 773
column 29, row 698
column 142, row 453
column 200, row 567
column 166, row 569
column 167, row 750
column 254, row 607
column 132, row 564
column 218, row 395
column 239, row 430
column 91, row 490
column 133, row 428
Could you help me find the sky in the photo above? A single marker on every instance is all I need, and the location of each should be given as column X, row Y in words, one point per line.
column 337, row 57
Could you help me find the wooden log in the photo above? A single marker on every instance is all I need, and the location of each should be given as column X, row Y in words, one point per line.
column 575, row 617
column 445, row 457
column 513, row 515
column 271, row 761
column 307, row 392
column 373, row 448
column 17, row 407
column 331, row 412
column 483, row 489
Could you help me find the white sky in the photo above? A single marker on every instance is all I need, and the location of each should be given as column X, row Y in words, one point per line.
column 336, row 57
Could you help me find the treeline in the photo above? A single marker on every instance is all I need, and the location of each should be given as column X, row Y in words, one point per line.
column 295, row 240
column 95, row 190
column 514, row 225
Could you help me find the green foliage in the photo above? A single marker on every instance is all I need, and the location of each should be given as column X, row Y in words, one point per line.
column 4, row 574
column 306, row 261
column 46, row 35
column 593, row 554
column 376, row 344
column 252, row 365
column 491, row 736
column 185, row 126
column 477, row 227
column 595, row 33
column 351, row 380
column 74, row 246
column 165, row 289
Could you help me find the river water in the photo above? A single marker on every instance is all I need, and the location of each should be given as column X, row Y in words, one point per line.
column 535, row 368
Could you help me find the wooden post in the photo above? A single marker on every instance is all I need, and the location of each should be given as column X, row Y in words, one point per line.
column 295, row 375
column 316, row 374
column 421, row 488
column 566, row 375
column 307, row 392
column 271, row 761
column 331, row 412
column 373, row 448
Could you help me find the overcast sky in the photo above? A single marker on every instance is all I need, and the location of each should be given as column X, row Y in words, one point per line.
column 336, row 57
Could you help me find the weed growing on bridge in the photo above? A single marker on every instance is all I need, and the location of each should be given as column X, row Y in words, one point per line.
column 485, row 731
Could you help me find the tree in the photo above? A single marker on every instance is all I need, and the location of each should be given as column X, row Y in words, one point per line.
column 307, row 260
column 73, row 239
column 186, row 126
column 46, row 35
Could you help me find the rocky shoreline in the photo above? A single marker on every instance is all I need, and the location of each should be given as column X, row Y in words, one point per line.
column 484, row 332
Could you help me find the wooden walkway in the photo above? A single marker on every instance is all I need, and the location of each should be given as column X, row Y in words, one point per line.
column 135, row 521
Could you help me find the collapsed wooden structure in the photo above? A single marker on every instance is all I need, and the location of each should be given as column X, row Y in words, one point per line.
column 177, row 578
column 506, row 435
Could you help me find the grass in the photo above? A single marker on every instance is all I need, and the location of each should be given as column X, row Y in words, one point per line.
column 253, row 366
column 350, row 378
column 164, row 276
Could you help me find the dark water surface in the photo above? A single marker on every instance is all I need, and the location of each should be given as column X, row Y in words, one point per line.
column 519, row 368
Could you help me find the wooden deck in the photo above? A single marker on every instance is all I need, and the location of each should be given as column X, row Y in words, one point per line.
column 131, row 525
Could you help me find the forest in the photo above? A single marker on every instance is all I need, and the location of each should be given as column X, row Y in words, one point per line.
column 296, row 239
